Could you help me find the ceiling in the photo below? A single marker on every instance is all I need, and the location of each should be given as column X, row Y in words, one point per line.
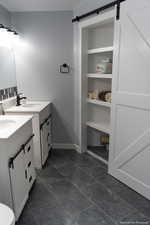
column 39, row 5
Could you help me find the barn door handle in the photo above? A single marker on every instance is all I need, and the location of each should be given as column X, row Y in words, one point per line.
column 26, row 175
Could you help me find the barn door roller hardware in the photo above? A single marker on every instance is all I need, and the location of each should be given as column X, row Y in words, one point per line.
column 97, row 11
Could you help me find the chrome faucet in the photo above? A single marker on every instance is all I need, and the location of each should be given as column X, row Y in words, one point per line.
column 18, row 99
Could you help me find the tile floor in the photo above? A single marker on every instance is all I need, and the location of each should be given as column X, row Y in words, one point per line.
column 75, row 189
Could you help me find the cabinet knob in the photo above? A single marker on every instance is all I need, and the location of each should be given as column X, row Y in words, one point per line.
column 29, row 164
column 29, row 148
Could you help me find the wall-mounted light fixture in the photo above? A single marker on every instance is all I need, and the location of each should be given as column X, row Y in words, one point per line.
column 3, row 28
column 8, row 37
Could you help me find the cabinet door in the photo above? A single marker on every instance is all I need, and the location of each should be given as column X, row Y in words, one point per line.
column 18, row 176
column 130, row 139
column 44, row 144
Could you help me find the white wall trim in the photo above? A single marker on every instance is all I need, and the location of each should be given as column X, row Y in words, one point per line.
column 77, row 148
column 97, row 157
column 66, row 146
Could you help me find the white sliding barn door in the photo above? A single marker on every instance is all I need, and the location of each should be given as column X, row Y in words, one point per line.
column 130, row 140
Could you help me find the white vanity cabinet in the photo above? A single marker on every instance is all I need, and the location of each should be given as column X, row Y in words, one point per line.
column 41, row 122
column 17, row 173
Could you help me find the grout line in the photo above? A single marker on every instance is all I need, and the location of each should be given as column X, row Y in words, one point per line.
column 90, row 200
column 74, row 186
column 93, row 203
column 50, row 191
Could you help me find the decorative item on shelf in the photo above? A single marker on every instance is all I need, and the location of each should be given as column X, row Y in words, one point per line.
column 105, row 96
column 64, row 68
column 93, row 94
column 104, row 67
column 90, row 95
column 104, row 140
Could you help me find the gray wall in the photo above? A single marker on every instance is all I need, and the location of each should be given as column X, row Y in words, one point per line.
column 84, row 7
column 47, row 42
column 5, row 16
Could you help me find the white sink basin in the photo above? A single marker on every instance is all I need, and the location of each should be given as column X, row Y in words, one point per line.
column 10, row 124
column 4, row 124
column 28, row 107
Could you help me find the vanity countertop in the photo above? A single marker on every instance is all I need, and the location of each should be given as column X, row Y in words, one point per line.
column 29, row 107
column 10, row 124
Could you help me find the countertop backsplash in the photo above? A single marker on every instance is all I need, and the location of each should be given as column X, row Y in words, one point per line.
column 7, row 93
column 7, row 98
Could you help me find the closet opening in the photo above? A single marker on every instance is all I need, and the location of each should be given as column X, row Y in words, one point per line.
column 97, row 47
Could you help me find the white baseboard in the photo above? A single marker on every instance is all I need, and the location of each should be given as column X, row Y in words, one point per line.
column 63, row 146
column 97, row 157
column 66, row 146
column 77, row 148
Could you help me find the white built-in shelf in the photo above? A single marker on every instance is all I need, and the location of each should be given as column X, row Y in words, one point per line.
column 100, row 50
column 98, row 102
column 99, row 76
column 99, row 126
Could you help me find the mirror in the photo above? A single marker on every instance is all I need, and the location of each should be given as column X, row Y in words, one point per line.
column 7, row 73
column 7, row 68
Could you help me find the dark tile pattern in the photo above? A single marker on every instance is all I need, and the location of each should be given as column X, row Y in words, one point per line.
column 8, row 93
column 76, row 175
column 136, row 218
column 93, row 216
column 76, row 189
